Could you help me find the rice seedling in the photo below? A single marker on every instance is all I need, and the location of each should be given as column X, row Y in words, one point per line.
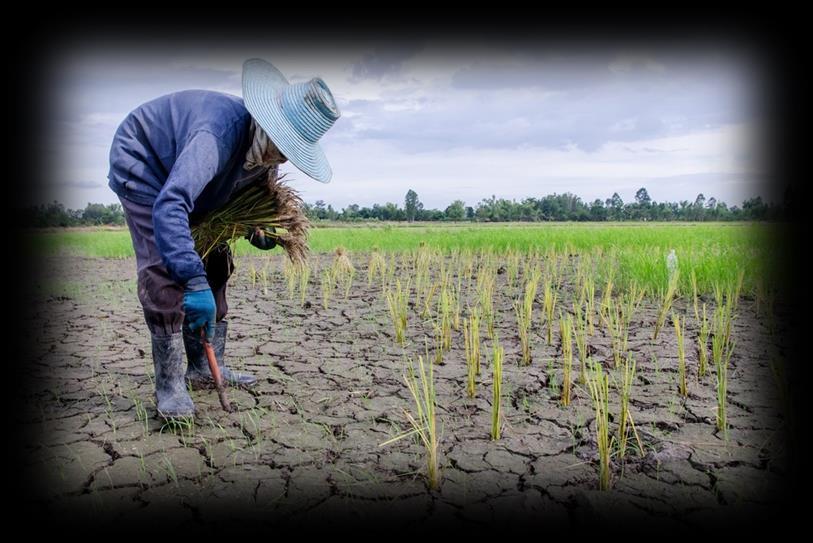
column 376, row 267
column 445, row 318
column 553, row 268
column 496, row 398
column 722, row 356
column 614, row 321
column 632, row 299
column 397, row 303
column 437, row 343
column 628, row 377
column 693, row 278
column 290, row 272
column 169, row 468
column 523, row 329
column 109, row 410
column 598, row 384
column 141, row 414
column 427, row 301
column 304, row 275
column 424, row 422
column 524, row 313
column 565, row 332
column 703, row 345
column 389, row 273
column 667, row 298
column 471, row 338
column 549, row 293
column 456, row 294
column 343, row 270
column 589, row 287
column 185, row 426
column 722, row 347
column 264, row 279
column 580, row 336
column 485, row 294
column 467, row 269
column 143, row 474
column 512, row 259
column 734, row 294
column 680, row 332
column 272, row 205
column 553, row 382
column 327, row 287
column 606, row 295
column 252, row 273
column 723, row 315
column 421, row 265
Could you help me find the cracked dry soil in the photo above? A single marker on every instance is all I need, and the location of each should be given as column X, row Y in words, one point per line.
column 304, row 443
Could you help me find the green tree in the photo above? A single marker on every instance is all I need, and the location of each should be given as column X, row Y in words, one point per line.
column 615, row 207
column 456, row 211
column 412, row 206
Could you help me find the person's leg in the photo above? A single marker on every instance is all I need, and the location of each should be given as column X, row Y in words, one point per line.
column 219, row 267
column 162, row 302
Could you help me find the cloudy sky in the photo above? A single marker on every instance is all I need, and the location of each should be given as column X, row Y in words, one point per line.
column 451, row 121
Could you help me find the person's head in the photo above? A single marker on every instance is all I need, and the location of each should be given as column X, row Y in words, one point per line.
column 262, row 151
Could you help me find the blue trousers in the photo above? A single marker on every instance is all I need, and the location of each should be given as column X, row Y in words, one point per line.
column 160, row 296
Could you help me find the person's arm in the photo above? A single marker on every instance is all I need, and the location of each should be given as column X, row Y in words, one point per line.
column 201, row 159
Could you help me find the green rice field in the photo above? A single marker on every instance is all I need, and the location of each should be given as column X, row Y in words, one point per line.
column 715, row 252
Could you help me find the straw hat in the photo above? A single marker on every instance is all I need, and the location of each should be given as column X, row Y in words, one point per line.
column 294, row 116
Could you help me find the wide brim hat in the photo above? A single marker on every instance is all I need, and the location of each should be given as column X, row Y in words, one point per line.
column 295, row 116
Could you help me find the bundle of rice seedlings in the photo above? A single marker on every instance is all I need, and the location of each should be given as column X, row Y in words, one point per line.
column 377, row 267
column 397, row 302
column 598, row 384
column 667, row 298
column 275, row 207
column 342, row 270
column 341, row 262
column 421, row 385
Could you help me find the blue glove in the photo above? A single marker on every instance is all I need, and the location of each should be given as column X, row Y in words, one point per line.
column 199, row 306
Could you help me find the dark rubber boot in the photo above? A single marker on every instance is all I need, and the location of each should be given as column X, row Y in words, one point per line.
column 198, row 373
column 170, row 388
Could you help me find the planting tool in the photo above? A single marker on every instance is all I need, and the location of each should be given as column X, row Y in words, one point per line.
column 215, row 369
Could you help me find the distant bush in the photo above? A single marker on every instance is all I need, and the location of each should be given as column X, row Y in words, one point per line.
column 55, row 214
column 553, row 207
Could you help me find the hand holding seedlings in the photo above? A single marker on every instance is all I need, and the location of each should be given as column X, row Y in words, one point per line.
column 258, row 238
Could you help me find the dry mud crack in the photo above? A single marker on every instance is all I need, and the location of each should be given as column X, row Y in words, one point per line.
column 305, row 442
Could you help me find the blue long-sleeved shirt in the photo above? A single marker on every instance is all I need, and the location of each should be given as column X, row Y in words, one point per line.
column 182, row 154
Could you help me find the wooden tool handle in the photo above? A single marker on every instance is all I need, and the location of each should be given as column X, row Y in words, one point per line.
column 215, row 369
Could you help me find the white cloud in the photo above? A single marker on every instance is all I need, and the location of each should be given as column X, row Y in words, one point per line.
column 454, row 121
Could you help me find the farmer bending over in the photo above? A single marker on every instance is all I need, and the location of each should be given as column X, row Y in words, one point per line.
column 181, row 156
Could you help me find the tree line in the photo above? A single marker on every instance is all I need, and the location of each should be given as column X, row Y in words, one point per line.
column 553, row 207
column 557, row 207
